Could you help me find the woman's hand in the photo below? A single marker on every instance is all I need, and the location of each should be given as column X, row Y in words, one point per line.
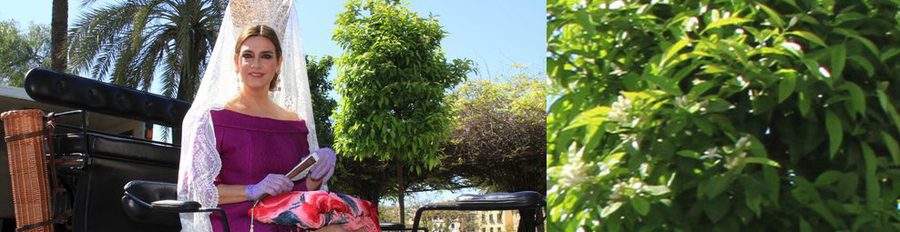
column 324, row 168
column 272, row 185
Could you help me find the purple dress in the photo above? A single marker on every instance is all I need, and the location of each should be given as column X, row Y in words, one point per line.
column 250, row 148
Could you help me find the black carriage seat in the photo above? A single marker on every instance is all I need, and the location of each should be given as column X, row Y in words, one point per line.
column 110, row 164
column 527, row 203
column 155, row 202
column 109, row 161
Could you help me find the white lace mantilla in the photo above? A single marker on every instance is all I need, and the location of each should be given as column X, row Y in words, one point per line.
column 200, row 162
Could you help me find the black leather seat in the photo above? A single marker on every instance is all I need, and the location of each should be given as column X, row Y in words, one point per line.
column 526, row 202
column 110, row 163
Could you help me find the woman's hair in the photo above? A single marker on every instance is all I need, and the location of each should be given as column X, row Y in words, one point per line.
column 268, row 33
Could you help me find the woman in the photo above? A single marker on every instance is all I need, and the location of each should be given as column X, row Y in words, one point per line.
column 251, row 121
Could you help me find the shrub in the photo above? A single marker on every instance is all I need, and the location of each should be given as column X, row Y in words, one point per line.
column 721, row 115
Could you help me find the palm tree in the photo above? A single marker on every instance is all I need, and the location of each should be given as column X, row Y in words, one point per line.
column 132, row 42
column 58, row 25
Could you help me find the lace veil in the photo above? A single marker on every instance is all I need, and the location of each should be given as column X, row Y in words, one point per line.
column 200, row 163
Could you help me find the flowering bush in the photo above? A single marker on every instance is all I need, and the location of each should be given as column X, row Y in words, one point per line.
column 723, row 115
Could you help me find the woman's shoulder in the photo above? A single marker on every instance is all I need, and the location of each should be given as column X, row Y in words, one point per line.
column 287, row 115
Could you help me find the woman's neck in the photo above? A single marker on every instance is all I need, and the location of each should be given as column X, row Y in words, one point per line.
column 252, row 101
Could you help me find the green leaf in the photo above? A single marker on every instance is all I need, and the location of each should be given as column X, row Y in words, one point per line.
column 863, row 63
column 701, row 88
column 855, row 35
column 610, row 209
column 772, row 184
column 585, row 20
column 774, row 17
column 656, row 190
column 828, row 177
column 689, row 154
column 672, row 50
column 717, row 208
column 717, row 184
column 725, row 22
column 787, row 83
column 716, row 105
column 872, row 189
column 804, row 225
column 835, row 133
column 593, row 117
column 803, row 103
column 857, row 98
column 888, row 108
column 631, row 82
column 892, row 147
column 838, row 58
column 762, row 160
column 809, row 37
column 891, row 52
column 641, row 205
column 753, row 199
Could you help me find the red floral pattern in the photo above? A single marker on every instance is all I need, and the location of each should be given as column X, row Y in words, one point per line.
column 316, row 209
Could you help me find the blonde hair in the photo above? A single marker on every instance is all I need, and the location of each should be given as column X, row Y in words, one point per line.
column 268, row 33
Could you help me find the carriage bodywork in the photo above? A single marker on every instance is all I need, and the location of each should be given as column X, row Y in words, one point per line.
column 94, row 166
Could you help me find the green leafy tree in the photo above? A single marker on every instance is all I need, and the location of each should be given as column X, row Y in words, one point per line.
column 363, row 178
column 323, row 105
column 392, row 80
column 133, row 42
column 22, row 51
column 499, row 138
column 723, row 115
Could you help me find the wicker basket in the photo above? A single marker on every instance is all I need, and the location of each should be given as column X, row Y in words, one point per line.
column 28, row 167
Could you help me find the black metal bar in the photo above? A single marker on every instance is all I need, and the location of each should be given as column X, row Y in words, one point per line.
column 526, row 213
column 526, row 220
column 66, row 113
column 418, row 216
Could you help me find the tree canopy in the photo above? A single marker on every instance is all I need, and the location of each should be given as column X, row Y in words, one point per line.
column 21, row 51
column 724, row 115
column 499, row 137
column 392, row 80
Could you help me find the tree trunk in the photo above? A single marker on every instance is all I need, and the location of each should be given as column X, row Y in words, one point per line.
column 401, row 186
column 58, row 39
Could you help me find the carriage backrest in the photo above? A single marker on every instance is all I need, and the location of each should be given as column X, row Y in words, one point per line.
column 88, row 94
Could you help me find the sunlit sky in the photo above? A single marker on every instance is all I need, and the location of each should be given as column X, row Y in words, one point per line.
column 495, row 34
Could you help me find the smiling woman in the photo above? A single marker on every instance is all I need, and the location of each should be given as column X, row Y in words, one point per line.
column 258, row 57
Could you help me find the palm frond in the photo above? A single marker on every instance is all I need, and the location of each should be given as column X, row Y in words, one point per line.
column 133, row 41
column 95, row 30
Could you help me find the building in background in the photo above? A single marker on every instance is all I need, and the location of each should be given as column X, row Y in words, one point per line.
column 498, row 221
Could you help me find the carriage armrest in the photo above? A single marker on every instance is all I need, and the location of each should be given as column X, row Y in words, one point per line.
column 164, row 208
column 175, row 206
column 138, row 195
